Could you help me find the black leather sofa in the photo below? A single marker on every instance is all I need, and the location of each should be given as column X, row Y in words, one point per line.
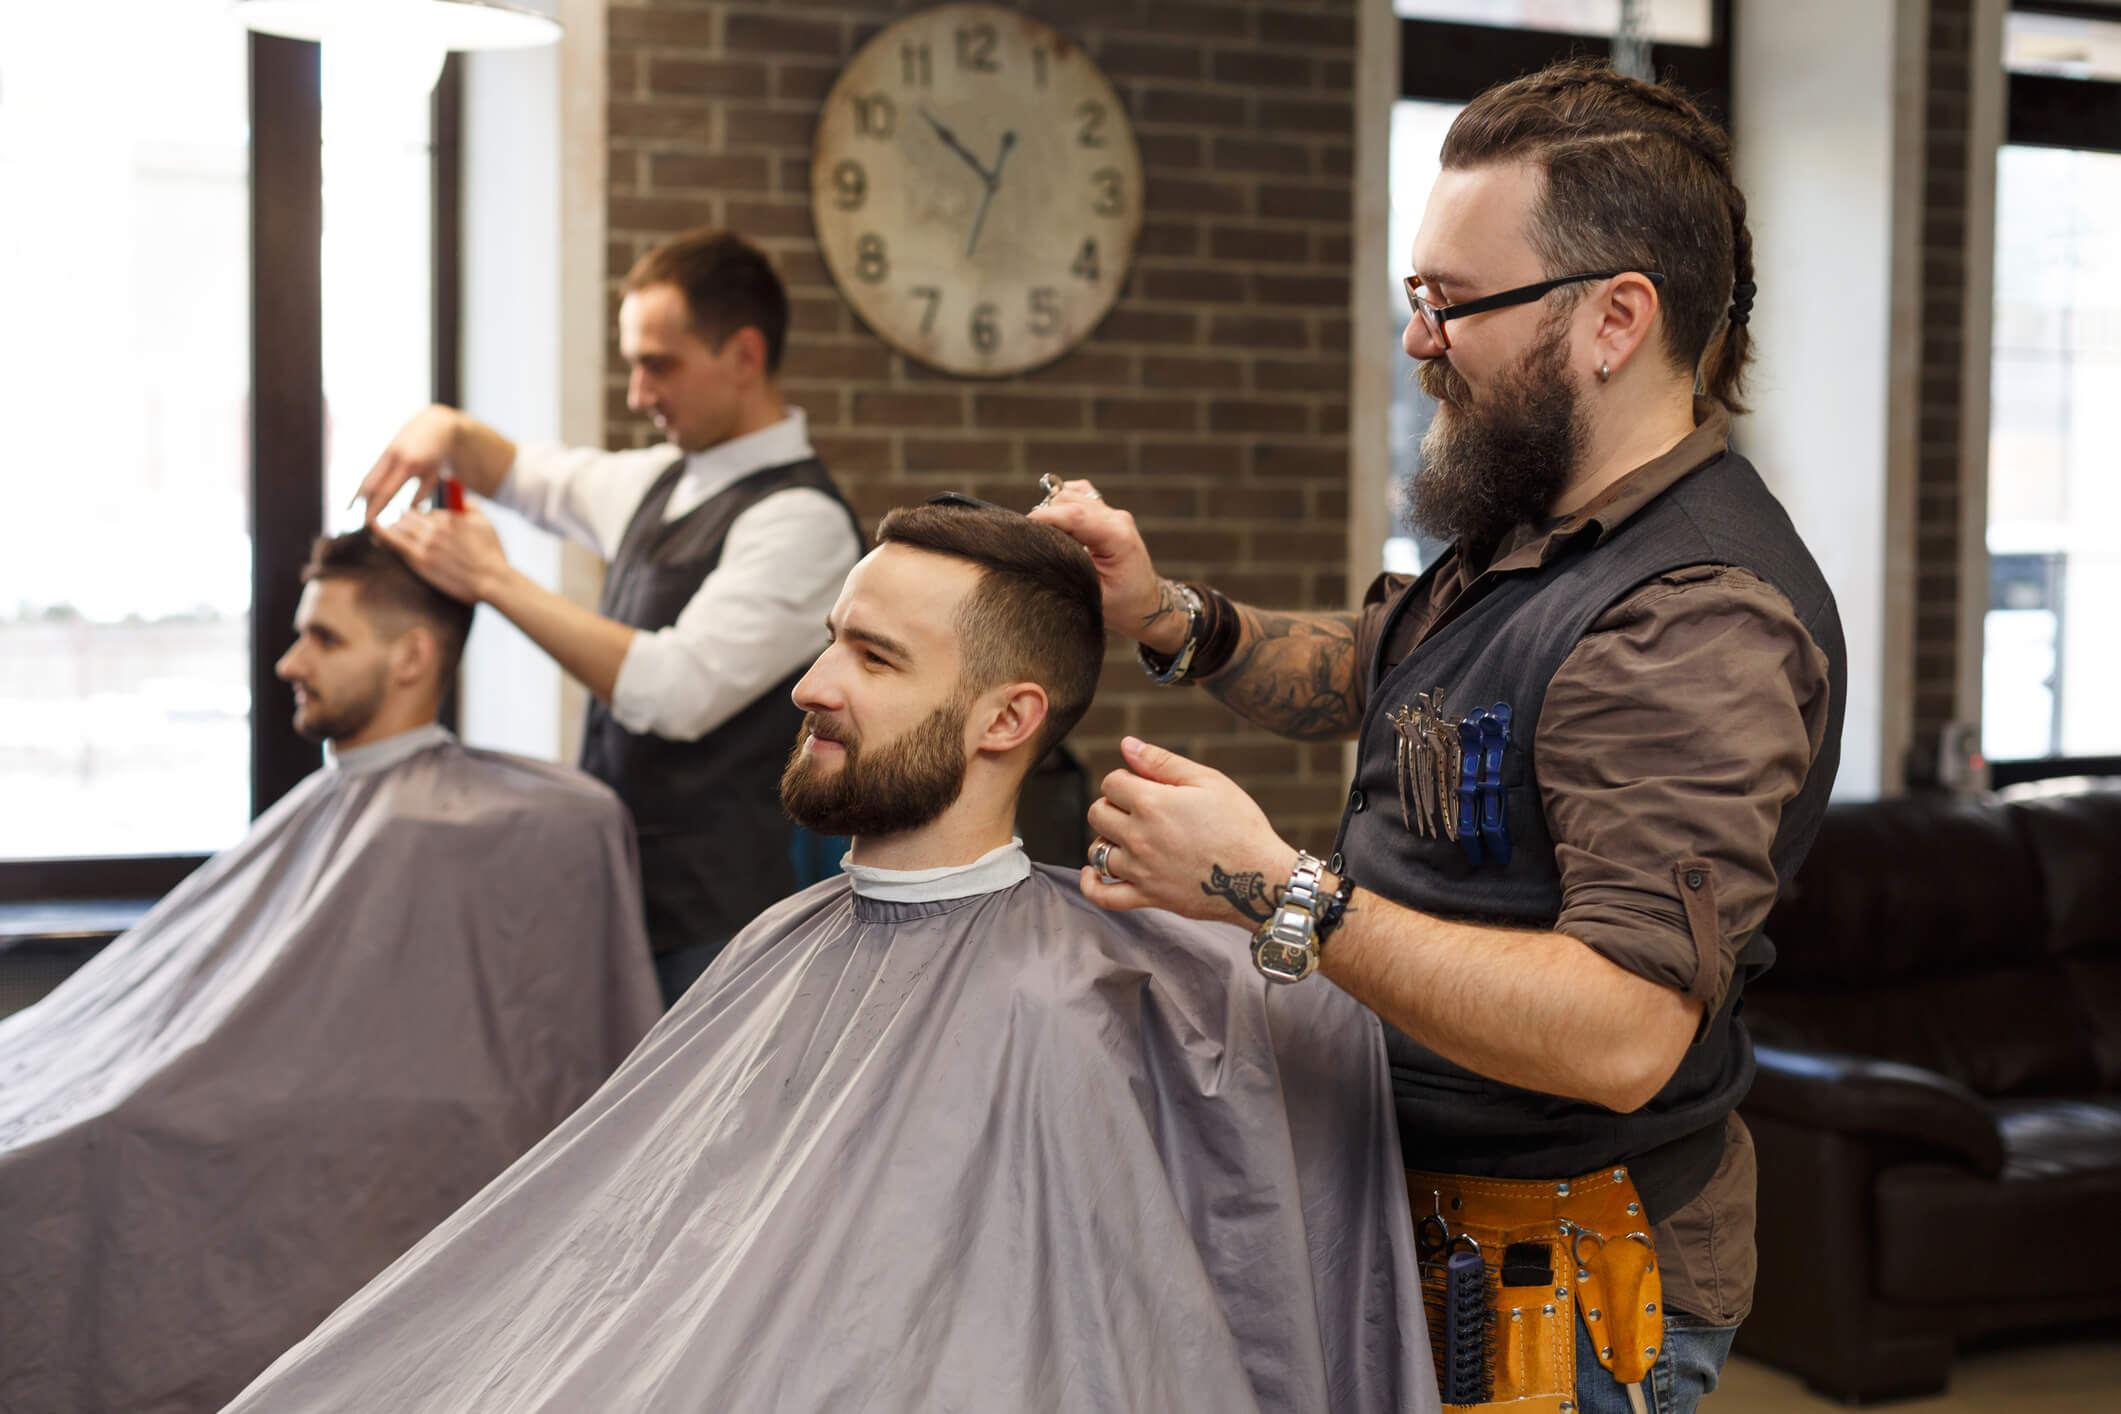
column 1938, row 1108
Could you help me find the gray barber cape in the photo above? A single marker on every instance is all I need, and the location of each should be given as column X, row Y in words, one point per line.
column 1002, row 1152
column 315, row 1049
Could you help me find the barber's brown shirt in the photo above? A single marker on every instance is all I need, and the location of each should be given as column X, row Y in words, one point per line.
column 1679, row 728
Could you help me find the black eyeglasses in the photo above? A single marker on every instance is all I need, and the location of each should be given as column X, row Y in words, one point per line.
column 1434, row 315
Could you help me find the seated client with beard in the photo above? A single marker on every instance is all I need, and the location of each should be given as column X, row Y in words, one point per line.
column 322, row 1042
column 936, row 1133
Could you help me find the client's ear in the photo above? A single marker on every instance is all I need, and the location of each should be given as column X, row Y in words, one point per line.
column 414, row 654
column 1009, row 716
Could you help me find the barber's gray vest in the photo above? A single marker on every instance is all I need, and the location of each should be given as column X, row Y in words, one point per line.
column 1507, row 647
column 715, row 846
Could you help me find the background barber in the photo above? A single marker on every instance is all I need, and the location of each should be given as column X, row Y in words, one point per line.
column 726, row 544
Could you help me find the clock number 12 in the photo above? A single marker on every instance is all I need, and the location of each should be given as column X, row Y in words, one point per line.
column 975, row 49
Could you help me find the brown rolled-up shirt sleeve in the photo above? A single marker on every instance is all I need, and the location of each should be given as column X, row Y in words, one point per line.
column 1669, row 743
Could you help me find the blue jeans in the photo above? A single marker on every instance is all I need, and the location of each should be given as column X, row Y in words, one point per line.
column 1687, row 1368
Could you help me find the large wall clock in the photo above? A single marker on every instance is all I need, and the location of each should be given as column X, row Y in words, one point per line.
column 976, row 189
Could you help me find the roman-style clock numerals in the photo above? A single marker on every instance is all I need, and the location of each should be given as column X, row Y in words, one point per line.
column 976, row 189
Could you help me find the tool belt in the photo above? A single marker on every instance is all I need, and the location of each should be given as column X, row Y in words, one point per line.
column 1508, row 1266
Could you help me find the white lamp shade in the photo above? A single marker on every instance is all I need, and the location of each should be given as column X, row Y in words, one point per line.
column 435, row 24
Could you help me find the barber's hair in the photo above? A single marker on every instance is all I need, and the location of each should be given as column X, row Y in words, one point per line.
column 386, row 585
column 728, row 285
column 1037, row 614
column 1637, row 178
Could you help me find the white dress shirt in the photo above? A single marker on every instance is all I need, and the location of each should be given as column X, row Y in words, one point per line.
column 758, row 617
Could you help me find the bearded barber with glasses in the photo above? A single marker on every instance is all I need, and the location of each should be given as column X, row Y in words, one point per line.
column 1593, row 739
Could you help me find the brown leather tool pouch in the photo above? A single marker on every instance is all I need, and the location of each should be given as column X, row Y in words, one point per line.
column 1553, row 1253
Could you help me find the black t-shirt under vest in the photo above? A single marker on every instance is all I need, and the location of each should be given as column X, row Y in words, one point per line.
column 715, row 846
column 1506, row 648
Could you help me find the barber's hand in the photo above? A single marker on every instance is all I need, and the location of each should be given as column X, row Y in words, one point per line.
column 1138, row 605
column 419, row 452
column 458, row 552
column 1185, row 838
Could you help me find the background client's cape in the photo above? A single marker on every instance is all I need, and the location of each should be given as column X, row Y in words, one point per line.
column 311, row 1052
column 1001, row 1153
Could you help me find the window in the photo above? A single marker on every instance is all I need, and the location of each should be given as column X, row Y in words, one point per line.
column 377, row 263
column 161, row 392
column 2049, row 672
column 124, row 384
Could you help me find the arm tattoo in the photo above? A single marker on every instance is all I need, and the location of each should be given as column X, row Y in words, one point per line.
column 1166, row 603
column 1293, row 674
column 1247, row 893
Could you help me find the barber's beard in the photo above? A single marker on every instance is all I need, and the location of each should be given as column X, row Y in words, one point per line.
column 1502, row 459
column 345, row 714
column 884, row 790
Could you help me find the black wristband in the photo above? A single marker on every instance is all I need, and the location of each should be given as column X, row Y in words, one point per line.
column 1218, row 639
column 1335, row 905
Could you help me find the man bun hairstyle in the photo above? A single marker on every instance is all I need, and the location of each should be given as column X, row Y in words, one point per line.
column 728, row 285
column 1037, row 614
column 386, row 586
column 1637, row 178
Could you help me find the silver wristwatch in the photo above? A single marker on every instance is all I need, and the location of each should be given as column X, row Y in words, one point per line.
column 1285, row 948
column 1175, row 670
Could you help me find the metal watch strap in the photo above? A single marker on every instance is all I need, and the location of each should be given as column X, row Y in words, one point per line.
column 1175, row 669
column 1285, row 947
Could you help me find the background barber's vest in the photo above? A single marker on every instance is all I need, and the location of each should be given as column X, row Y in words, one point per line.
column 715, row 847
column 1506, row 648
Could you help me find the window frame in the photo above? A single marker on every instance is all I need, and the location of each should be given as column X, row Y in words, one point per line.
column 1446, row 61
column 286, row 471
column 2044, row 110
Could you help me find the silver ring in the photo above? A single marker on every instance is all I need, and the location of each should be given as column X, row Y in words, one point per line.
column 1101, row 856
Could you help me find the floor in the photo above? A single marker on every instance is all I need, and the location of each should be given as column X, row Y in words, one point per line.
column 2077, row 1378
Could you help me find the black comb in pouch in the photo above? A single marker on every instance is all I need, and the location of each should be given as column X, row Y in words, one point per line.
column 1463, row 1372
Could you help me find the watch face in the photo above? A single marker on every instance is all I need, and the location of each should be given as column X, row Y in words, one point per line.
column 1283, row 961
column 976, row 189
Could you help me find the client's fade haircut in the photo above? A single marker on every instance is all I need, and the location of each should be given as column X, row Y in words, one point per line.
column 385, row 585
column 728, row 284
column 1037, row 614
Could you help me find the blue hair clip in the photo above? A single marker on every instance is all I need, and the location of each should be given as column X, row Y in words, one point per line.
column 1494, row 820
column 1469, row 788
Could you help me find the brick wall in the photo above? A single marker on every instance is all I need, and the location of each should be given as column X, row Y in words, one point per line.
column 1938, row 489
column 1212, row 402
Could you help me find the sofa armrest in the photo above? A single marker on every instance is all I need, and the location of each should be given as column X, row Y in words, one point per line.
column 1856, row 1095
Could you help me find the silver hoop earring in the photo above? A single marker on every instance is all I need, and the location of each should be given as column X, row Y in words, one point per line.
column 1604, row 372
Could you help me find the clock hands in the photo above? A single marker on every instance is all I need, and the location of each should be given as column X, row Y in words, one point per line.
column 990, row 180
column 993, row 184
column 950, row 141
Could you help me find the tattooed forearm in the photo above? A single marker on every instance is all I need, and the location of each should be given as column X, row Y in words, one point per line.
column 1166, row 603
column 1247, row 892
column 1293, row 674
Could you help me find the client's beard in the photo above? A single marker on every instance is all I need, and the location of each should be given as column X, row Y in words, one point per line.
column 902, row 785
column 323, row 721
column 1502, row 462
